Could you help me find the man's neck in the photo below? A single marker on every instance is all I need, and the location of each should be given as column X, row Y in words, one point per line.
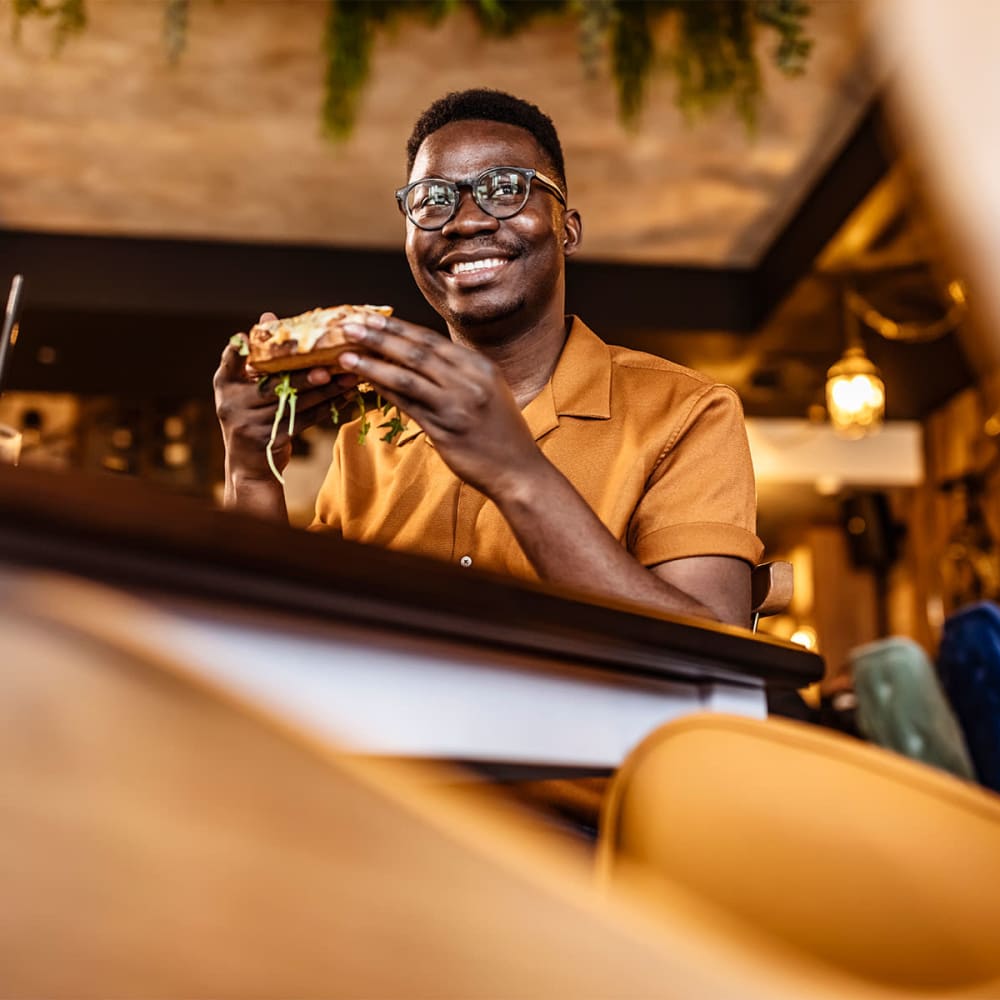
column 526, row 357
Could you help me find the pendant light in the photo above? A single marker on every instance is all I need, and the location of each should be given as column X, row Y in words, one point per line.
column 855, row 392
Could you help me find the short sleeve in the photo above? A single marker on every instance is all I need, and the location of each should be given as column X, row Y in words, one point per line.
column 700, row 497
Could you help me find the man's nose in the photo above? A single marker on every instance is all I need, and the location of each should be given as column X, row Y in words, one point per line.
column 469, row 218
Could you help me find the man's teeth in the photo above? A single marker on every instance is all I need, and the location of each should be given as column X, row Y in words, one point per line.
column 465, row 266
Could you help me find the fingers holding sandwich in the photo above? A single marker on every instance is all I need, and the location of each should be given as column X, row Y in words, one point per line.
column 458, row 396
column 247, row 402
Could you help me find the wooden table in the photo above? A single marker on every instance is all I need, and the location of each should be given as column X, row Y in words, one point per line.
column 388, row 653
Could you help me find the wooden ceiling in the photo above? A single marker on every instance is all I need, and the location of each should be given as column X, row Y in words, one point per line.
column 178, row 202
column 107, row 138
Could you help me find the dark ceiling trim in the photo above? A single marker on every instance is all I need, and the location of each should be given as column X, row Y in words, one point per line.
column 99, row 274
column 182, row 278
column 200, row 291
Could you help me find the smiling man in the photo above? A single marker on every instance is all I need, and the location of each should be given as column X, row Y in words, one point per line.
column 534, row 448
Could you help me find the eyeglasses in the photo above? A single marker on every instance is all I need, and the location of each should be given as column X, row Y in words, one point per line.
column 502, row 192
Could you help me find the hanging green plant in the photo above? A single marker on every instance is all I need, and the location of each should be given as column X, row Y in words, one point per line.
column 69, row 17
column 712, row 55
column 175, row 24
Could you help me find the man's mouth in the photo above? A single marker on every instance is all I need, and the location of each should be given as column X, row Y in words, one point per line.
column 472, row 266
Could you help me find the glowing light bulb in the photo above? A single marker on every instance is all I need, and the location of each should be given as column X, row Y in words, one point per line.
column 855, row 395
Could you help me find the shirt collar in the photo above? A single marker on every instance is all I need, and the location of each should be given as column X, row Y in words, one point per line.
column 580, row 385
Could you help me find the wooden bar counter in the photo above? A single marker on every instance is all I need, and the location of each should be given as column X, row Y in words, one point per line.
column 380, row 652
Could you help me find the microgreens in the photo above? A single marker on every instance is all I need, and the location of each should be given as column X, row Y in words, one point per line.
column 396, row 427
column 286, row 394
column 287, row 400
column 238, row 341
column 365, row 426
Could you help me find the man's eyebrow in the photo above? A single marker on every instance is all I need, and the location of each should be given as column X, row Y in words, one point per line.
column 479, row 173
column 463, row 180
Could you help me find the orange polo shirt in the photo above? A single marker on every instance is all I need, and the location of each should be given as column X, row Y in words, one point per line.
column 658, row 451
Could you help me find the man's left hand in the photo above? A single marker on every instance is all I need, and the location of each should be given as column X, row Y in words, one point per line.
column 456, row 395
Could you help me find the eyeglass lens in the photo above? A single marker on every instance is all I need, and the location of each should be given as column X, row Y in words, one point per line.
column 500, row 192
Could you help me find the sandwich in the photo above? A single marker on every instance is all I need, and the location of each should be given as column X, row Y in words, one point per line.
column 313, row 339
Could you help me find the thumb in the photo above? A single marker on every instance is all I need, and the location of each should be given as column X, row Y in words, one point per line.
column 267, row 317
column 232, row 367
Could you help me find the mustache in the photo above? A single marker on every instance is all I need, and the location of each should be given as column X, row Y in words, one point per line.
column 510, row 246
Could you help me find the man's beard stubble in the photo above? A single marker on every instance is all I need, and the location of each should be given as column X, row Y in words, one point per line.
column 472, row 319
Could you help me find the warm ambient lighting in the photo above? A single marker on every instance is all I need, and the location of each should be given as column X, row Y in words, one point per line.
column 855, row 395
column 805, row 636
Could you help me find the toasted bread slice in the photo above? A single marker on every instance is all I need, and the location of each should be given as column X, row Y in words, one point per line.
column 313, row 339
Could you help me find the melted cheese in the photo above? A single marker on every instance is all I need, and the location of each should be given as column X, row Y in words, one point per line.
column 307, row 328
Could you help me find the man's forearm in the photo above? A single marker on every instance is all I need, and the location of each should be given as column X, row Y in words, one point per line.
column 568, row 544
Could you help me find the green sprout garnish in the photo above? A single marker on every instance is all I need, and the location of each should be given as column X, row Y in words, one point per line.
column 396, row 427
column 365, row 422
column 287, row 397
column 286, row 394
column 238, row 341
column 395, row 424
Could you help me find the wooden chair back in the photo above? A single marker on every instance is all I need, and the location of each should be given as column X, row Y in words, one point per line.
column 771, row 588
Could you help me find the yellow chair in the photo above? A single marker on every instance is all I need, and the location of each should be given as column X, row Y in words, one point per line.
column 816, row 850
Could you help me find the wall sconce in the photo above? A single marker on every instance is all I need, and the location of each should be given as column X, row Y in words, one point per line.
column 855, row 392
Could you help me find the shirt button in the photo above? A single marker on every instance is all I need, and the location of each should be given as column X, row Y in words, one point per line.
column 465, row 561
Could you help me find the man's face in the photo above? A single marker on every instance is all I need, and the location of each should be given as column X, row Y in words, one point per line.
column 478, row 270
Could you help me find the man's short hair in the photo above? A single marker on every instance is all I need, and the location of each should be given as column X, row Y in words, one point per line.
column 483, row 104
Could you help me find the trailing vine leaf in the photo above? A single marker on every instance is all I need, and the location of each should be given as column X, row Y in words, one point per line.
column 786, row 17
column 352, row 26
column 503, row 18
column 70, row 18
column 631, row 57
column 492, row 15
column 175, row 25
column 595, row 22
column 350, row 35
column 715, row 58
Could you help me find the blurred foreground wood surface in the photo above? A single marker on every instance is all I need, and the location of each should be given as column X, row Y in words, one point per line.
column 163, row 840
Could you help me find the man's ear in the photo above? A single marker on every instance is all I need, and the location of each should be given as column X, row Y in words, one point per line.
column 572, row 232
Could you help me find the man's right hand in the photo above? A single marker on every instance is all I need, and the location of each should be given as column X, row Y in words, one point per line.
column 246, row 413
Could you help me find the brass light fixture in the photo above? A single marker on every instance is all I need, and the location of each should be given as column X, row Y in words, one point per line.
column 855, row 392
column 912, row 332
